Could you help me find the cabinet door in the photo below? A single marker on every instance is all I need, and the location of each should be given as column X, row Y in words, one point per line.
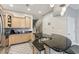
column 28, row 22
column 7, row 20
column 18, row 22
column 15, row 22
column 22, row 22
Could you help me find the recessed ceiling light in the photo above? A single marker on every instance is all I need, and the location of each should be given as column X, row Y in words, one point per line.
column 28, row 9
column 51, row 5
column 39, row 12
column 11, row 5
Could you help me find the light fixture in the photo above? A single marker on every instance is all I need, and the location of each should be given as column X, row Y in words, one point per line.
column 39, row 12
column 28, row 9
column 51, row 5
column 62, row 5
column 63, row 11
column 11, row 5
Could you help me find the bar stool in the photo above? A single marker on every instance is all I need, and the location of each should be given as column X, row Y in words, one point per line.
column 37, row 44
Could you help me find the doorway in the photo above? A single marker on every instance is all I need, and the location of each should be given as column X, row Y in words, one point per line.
column 71, row 29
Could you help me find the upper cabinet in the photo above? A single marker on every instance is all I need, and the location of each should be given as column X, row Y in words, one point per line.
column 22, row 22
column 18, row 22
column 12, row 21
column 28, row 22
column 8, row 20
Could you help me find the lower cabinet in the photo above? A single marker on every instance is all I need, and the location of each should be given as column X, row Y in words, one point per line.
column 19, row 38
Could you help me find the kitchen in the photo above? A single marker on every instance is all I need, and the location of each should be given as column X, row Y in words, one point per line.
column 23, row 25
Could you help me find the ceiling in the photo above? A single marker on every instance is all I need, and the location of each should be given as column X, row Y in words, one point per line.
column 34, row 9
column 75, row 6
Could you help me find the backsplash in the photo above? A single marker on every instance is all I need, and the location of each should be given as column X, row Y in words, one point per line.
column 17, row 30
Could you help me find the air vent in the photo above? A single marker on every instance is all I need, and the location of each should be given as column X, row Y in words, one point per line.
column 62, row 5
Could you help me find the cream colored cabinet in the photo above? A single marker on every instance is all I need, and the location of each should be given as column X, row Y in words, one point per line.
column 20, row 38
column 11, row 21
column 15, row 22
column 21, row 22
column 18, row 22
column 7, row 20
column 28, row 23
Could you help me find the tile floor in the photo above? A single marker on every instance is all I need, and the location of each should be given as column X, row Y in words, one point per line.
column 24, row 48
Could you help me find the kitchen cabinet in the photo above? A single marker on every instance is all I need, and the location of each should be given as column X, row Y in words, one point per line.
column 19, row 38
column 7, row 20
column 21, row 22
column 18, row 22
column 12, row 21
column 28, row 23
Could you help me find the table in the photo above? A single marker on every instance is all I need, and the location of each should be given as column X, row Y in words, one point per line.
column 48, row 44
column 53, row 44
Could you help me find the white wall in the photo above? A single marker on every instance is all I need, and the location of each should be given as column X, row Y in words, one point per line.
column 62, row 25
column 71, row 15
column 77, row 27
column 38, row 26
column 57, row 25
column 71, row 29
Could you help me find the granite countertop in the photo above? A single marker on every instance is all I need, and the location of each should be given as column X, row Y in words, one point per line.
column 49, row 43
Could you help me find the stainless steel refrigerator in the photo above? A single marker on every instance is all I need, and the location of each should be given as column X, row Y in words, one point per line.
column 1, row 29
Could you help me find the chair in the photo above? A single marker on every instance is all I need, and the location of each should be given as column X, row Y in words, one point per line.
column 37, row 43
column 74, row 49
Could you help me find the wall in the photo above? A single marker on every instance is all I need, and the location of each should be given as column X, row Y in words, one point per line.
column 54, row 25
column 38, row 26
column 62, row 25
column 77, row 27
column 71, row 15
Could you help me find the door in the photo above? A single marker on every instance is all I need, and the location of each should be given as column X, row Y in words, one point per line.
column 71, row 29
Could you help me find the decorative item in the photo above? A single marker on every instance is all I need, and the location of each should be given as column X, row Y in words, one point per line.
column 9, row 20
